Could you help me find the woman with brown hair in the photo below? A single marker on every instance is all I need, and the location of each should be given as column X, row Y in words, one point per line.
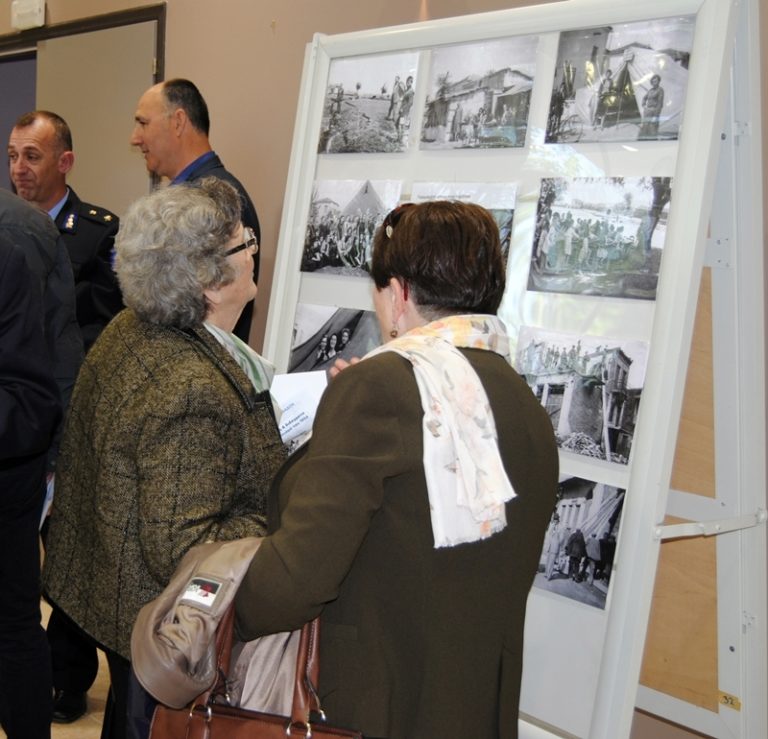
column 414, row 518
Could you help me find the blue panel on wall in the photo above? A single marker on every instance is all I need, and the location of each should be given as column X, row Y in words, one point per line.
column 17, row 91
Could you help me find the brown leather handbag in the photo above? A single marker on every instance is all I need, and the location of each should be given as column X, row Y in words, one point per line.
column 210, row 717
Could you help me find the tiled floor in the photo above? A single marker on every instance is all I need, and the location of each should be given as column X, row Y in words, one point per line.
column 89, row 726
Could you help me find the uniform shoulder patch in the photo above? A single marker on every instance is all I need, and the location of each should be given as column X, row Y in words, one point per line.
column 96, row 214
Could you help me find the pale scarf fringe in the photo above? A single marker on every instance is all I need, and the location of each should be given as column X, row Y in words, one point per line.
column 466, row 481
column 259, row 371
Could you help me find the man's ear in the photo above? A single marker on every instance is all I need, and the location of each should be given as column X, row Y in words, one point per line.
column 66, row 162
column 180, row 120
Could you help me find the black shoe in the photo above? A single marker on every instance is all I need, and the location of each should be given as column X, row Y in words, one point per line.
column 68, row 706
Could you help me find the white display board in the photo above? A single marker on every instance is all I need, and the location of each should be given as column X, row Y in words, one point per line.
column 549, row 115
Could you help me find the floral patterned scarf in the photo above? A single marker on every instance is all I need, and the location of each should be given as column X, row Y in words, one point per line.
column 466, row 481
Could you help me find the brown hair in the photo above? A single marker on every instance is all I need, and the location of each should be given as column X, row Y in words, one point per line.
column 447, row 253
column 63, row 136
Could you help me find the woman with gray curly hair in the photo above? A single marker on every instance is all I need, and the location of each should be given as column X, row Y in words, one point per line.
column 171, row 439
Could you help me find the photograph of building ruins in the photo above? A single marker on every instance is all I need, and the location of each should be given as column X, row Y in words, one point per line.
column 589, row 385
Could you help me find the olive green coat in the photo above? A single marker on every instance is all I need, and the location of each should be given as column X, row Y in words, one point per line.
column 167, row 445
column 415, row 641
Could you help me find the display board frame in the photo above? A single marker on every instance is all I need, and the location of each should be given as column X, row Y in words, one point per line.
column 597, row 653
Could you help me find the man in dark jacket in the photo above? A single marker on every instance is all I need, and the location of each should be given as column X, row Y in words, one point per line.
column 32, row 299
column 40, row 156
column 171, row 131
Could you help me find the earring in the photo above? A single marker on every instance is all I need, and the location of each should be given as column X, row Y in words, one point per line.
column 393, row 333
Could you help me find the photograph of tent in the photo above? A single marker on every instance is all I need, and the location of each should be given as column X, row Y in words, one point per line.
column 322, row 334
column 479, row 94
column 589, row 385
column 343, row 218
column 600, row 236
column 621, row 83
column 368, row 104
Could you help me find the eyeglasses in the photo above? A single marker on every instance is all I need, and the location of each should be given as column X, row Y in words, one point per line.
column 249, row 243
column 393, row 218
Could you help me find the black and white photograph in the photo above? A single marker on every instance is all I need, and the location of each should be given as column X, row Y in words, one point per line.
column 343, row 218
column 589, row 385
column 496, row 197
column 625, row 82
column 368, row 104
column 479, row 94
column 580, row 542
column 600, row 236
column 322, row 334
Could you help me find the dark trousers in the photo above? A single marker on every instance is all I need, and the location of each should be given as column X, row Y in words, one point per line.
column 116, row 710
column 73, row 654
column 129, row 708
column 25, row 661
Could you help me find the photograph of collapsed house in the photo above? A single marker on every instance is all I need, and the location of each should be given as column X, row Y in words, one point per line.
column 479, row 94
column 625, row 82
column 580, row 542
column 498, row 198
column 589, row 385
column 343, row 218
column 600, row 236
column 368, row 104
column 322, row 334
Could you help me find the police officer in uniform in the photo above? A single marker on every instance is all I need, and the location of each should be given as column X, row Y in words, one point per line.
column 39, row 158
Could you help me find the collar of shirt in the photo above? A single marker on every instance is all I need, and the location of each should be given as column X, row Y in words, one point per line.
column 54, row 212
column 185, row 173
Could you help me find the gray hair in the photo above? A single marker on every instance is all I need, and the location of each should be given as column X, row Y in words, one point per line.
column 170, row 248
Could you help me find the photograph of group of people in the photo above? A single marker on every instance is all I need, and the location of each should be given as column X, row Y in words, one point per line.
column 622, row 82
column 343, row 218
column 580, row 543
column 368, row 104
column 322, row 334
column 600, row 236
column 590, row 386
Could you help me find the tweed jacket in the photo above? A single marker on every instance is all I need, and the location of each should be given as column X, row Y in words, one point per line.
column 167, row 445
column 415, row 641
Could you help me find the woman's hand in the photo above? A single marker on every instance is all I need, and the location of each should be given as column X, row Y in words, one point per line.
column 341, row 364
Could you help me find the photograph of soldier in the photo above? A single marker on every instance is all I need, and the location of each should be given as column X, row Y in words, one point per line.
column 343, row 218
column 590, row 385
column 600, row 236
column 479, row 94
column 621, row 83
column 580, row 544
column 368, row 104
column 323, row 334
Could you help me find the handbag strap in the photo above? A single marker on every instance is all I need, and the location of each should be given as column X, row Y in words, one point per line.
column 305, row 696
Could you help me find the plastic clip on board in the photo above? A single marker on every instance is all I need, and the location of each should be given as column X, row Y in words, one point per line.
column 711, row 528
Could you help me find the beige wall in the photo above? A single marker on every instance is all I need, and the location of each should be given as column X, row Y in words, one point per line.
column 246, row 56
